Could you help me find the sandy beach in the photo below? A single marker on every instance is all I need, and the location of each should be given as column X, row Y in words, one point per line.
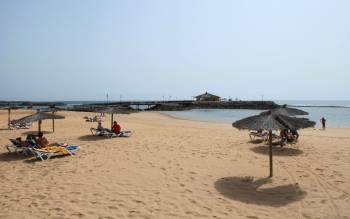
column 172, row 168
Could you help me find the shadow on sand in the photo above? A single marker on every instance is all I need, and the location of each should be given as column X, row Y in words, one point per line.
column 5, row 129
column 35, row 132
column 277, row 151
column 34, row 159
column 245, row 189
column 91, row 138
column 256, row 141
column 6, row 157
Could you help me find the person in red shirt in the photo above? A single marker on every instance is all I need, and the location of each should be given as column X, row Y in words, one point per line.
column 116, row 128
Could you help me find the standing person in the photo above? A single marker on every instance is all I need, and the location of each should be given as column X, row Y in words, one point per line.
column 323, row 122
column 116, row 128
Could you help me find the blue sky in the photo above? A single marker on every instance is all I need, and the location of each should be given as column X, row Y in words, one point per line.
column 81, row 50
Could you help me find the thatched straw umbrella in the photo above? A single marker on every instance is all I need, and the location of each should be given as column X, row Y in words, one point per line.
column 114, row 110
column 39, row 116
column 270, row 121
column 287, row 111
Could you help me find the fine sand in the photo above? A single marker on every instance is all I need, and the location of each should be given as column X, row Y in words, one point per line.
column 171, row 168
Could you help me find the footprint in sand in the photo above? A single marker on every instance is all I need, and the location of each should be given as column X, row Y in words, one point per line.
column 189, row 191
column 253, row 217
column 39, row 196
column 78, row 214
column 113, row 207
column 139, row 202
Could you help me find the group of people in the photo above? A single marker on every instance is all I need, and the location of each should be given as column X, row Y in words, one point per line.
column 116, row 128
column 40, row 141
column 288, row 136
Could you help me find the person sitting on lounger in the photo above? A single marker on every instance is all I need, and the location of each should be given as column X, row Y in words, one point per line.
column 22, row 143
column 43, row 142
column 283, row 136
column 99, row 126
column 295, row 134
column 116, row 128
column 101, row 129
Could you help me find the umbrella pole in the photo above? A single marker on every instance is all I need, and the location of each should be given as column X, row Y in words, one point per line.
column 53, row 123
column 39, row 122
column 270, row 153
column 112, row 121
column 39, row 126
column 9, row 118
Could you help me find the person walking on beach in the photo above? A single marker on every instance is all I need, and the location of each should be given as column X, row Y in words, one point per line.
column 323, row 122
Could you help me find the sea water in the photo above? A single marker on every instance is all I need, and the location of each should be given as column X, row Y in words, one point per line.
column 337, row 113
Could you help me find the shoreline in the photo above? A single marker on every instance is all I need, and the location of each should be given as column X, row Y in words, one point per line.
column 317, row 127
column 187, row 119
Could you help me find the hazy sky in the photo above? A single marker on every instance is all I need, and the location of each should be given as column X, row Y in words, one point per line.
column 81, row 50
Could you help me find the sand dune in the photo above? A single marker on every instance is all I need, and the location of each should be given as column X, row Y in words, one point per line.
column 174, row 168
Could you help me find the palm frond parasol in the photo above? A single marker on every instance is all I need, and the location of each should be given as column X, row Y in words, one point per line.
column 295, row 123
column 272, row 121
column 39, row 116
column 287, row 111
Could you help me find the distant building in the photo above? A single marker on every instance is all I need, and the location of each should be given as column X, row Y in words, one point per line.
column 207, row 97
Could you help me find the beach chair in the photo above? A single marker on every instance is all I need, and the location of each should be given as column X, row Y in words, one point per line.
column 93, row 119
column 258, row 136
column 53, row 151
column 125, row 133
column 103, row 132
column 107, row 133
column 15, row 147
column 14, row 125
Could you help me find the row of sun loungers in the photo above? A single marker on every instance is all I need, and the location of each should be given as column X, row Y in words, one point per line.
column 14, row 125
column 276, row 139
column 40, row 153
column 93, row 119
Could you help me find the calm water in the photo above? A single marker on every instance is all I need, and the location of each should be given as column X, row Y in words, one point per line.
column 336, row 117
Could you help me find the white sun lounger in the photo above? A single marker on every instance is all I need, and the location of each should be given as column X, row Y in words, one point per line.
column 109, row 134
column 14, row 125
column 47, row 153
column 15, row 147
